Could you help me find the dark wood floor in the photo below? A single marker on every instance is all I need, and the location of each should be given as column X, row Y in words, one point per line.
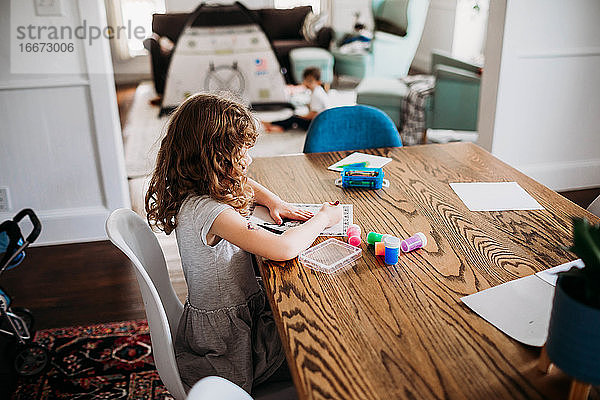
column 125, row 95
column 76, row 284
column 583, row 197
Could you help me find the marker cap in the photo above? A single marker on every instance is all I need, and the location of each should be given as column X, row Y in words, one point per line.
column 353, row 230
column 373, row 237
column 391, row 242
column 423, row 238
column 354, row 240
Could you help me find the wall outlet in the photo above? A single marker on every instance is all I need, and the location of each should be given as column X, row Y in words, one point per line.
column 47, row 8
column 4, row 199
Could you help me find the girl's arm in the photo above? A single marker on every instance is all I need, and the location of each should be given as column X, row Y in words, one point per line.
column 278, row 208
column 262, row 195
column 234, row 228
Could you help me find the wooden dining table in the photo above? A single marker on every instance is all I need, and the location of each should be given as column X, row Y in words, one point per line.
column 376, row 331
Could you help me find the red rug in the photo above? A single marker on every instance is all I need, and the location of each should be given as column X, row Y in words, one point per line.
column 104, row 361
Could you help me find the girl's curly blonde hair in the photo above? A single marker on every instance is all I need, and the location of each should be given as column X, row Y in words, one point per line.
column 202, row 153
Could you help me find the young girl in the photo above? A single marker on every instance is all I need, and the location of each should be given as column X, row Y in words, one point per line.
column 200, row 189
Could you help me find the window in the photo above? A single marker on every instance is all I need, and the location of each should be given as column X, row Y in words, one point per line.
column 316, row 4
column 135, row 13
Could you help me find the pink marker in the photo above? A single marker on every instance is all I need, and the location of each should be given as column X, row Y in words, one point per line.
column 414, row 242
column 353, row 234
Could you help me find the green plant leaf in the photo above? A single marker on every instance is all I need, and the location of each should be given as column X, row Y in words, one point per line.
column 574, row 272
column 586, row 244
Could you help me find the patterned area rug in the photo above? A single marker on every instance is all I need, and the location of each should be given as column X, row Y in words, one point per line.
column 105, row 361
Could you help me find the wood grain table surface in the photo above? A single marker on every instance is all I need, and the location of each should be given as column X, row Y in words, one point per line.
column 401, row 332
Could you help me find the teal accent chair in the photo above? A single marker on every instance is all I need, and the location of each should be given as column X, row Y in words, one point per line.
column 351, row 128
column 390, row 55
column 455, row 101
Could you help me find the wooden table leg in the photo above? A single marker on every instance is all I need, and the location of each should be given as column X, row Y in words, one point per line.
column 579, row 390
column 544, row 363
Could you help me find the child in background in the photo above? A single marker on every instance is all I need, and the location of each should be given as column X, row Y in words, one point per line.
column 319, row 101
column 200, row 190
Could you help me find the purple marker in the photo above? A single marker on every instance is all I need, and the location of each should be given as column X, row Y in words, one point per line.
column 414, row 242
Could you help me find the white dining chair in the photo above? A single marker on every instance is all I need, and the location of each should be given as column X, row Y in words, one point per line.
column 215, row 387
column 132, row 235
column 594, row 208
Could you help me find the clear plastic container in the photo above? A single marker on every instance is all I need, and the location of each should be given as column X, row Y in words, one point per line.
column 330, row 256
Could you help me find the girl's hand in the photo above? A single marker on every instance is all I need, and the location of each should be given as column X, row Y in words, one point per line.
column 282, row 209
column 333, row 211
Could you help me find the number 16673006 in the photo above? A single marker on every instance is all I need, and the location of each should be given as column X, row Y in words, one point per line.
column 46, row 47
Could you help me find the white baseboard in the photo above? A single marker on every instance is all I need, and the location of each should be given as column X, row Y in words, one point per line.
column 67, row 225
column 565, row 176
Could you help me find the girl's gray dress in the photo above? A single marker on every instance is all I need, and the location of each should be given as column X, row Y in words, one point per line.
column 227, row 328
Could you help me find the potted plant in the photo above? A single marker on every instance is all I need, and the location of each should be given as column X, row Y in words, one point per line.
column 573, row 342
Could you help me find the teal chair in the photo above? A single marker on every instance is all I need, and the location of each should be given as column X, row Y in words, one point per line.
column 351, row 128
column 455, row 101
column 391, row 54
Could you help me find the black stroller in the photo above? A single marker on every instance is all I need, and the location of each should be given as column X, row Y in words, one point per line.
column 24, row 357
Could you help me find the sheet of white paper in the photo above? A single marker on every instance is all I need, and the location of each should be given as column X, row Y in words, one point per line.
column 520, row 308
column 495, row 196
column 550, row 276
column 356, row 157
column 261, row 217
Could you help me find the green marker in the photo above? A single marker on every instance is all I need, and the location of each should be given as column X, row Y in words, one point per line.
column 363, row 164
column 374, row 237
column 360, row 183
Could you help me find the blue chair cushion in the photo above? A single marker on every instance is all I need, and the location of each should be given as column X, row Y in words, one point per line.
column 351, row 128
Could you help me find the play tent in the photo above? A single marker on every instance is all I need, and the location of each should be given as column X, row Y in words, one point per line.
column 221, row 48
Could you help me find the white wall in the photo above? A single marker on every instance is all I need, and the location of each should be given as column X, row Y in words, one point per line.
column 438, row 33
column 341, row 13
column 546, row 120
column 61, row 152
column 130, row 70
column 491, row 73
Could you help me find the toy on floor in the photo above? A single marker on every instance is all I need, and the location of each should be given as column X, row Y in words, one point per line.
column 27, row 357
column 361, row 177
column 223, row 48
